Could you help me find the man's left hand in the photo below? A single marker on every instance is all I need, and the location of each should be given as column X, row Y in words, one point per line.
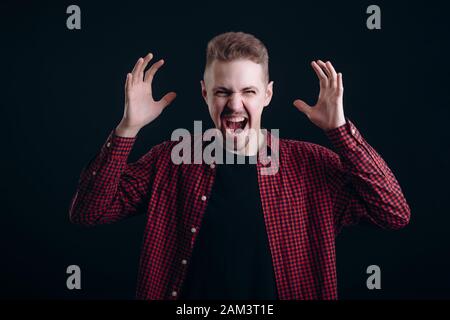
column 328, row 112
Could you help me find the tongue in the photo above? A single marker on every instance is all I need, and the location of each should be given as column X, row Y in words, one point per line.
column 235, row 125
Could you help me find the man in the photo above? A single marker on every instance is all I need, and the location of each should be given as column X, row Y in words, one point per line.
column 228, row 231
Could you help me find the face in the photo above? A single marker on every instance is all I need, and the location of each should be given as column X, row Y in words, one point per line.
column 236, row 94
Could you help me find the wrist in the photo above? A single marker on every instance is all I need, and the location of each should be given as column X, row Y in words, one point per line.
column 122, row 130
column 339, row 123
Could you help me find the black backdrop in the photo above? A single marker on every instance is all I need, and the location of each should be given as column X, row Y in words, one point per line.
column 62, row 93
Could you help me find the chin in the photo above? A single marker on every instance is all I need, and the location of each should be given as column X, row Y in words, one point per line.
column 235, row 140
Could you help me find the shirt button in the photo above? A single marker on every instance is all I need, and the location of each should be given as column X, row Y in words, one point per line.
column 108, row 144
column 193, row 230
column 212, row 165
column 353, row 131
column 184, row 261
column 174, row 293
column 203, row 198
column 94, row 173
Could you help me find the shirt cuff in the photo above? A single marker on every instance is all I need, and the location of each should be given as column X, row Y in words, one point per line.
column 118, row 147
column 345, row 137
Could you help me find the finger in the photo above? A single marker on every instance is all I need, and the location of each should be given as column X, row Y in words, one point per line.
column 320, row 74
column 302, row 106
column 167, row 99
column 128, row 81
column 324, row 67
column 340, row 83
column 151, row 72
column 136, row 69
column 144, row 64
column 333, row 74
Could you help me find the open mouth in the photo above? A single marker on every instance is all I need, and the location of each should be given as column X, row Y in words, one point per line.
column 235, row 125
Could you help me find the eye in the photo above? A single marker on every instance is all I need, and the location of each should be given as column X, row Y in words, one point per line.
column 250, row 92
column 221, row 93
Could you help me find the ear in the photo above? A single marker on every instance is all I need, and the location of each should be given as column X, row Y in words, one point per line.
column 204, row 92
column 269, row 94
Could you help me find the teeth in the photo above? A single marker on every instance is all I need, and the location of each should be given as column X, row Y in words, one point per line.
column 237, row 119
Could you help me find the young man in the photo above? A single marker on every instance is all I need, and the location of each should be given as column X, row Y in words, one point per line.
column 226, row 231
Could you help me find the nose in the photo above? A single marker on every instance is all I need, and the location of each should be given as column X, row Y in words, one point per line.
column 235, row 102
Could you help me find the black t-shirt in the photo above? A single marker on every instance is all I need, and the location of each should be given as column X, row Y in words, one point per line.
column 231, row 257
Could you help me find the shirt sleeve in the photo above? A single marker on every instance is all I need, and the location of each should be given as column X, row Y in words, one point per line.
column 361, row 183
column 109, row 189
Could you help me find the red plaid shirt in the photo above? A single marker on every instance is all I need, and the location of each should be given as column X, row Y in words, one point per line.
column 305, row 204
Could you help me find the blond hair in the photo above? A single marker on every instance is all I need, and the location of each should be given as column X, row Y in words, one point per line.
column 231, row 46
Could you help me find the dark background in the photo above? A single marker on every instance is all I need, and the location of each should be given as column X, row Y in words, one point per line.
column 62, row 93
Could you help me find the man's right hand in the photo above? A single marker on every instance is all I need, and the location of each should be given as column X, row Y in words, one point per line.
column 140, row 107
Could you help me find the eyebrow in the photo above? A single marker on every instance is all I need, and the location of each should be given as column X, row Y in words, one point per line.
column 244, row 89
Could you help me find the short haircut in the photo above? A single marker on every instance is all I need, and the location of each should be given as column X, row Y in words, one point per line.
column 231, row 46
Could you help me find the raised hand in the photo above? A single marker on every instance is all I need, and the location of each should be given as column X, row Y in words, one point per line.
column 140, row 107
column 328, row 112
